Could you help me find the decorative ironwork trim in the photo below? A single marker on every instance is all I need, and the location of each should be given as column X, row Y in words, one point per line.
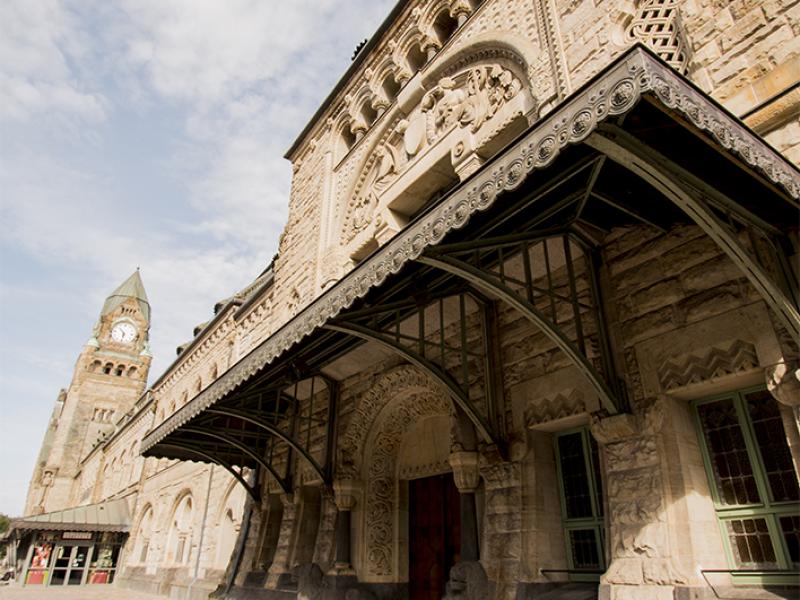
column 615, row 91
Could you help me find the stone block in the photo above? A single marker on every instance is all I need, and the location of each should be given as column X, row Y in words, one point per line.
column 710, row 274
column 651, row 324
column 663, row 293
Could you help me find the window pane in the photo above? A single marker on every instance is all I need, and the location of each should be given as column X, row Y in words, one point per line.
column 790, row 526
column 578, row 501
column 771, row 438
column 751, row 544
column 598, row 482
column 733, row 474
column 584, row 548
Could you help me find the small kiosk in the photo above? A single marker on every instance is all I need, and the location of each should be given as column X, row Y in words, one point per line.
column 75, row 546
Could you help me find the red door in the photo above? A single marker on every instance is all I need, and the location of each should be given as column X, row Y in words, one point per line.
column 434, row 535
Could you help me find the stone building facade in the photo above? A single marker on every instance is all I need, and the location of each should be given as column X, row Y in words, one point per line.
column 532, row 329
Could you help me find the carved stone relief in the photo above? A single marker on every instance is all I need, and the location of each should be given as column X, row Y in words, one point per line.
column 400, row 380
column 466, row 99
column 638, row 532
column 564, row 404
column 384, row 414
column 722, row 359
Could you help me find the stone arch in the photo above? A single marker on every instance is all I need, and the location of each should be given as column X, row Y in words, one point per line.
column 144, row 533
column 508, row 49
column 399, row 381
column 227, row 523
column 397, row 401
column 179, row 528
column 391, row 154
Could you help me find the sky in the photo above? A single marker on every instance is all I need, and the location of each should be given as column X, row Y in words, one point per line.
column 150, row 134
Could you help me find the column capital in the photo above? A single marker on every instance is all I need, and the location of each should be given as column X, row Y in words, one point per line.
column 647, row 421
column 465, row 471
column 783, row 382
column 345, row 492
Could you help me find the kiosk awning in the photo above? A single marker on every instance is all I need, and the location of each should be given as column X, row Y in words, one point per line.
column 105, row 516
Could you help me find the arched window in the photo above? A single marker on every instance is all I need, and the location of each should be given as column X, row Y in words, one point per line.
column 132, row 372
column 108, row 368
column 369, row 113
column 180, row 535
column 444, row 26
column 95, row 366
column 415, row 58
column 145, row 531
column 390, row 87
column 226, row 540
column 120, row 370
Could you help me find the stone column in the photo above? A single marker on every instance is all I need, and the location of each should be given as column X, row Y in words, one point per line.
column 783, row 382
column 467, row 478
column 345, row 494
column 280, row 568
column 662, row 524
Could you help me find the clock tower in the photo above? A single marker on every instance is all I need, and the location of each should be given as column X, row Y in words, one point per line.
column 110, row 375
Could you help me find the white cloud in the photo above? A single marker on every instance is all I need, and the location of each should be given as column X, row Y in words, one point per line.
column 38, row 40
column 149, row 133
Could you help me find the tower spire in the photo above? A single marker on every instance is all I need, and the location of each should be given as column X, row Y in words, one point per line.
column 132, row 287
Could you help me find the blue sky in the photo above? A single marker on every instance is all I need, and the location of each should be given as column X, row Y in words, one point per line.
column 150, row 134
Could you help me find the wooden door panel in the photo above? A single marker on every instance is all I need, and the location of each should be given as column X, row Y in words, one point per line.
column 434, row 535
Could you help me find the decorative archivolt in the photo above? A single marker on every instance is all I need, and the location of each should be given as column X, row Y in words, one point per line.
column 403, row 380
column 398, row 400
column 462, row 102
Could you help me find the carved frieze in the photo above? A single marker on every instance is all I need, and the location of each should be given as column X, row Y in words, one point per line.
column 563, row 404
column 468, row 99
column 722, row 359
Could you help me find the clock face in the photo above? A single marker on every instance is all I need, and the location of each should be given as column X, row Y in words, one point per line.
column 123, row 332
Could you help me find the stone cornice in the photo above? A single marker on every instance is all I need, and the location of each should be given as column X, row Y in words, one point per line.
column 614, row 91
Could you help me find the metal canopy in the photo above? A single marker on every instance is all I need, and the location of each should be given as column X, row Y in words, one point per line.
column 112, row 515
column 637, row 145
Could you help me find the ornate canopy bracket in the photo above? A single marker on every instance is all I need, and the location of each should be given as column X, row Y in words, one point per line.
column 208, row 457
column 671, row 180
column 253, row 419
column 539, row 277
column 229, row 441
column 456, row 391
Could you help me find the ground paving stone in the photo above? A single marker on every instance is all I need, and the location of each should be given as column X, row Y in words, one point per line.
column 73, row 593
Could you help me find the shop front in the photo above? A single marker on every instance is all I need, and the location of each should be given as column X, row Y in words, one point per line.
column 79, row 546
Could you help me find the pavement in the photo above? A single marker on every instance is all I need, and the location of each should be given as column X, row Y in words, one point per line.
column 87, row 592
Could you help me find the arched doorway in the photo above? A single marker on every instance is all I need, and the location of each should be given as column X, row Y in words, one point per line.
column 399, row 441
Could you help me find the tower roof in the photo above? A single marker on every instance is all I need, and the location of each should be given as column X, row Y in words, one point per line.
column 132, row 287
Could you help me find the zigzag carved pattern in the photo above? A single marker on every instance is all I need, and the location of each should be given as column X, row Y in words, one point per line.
column 564, row 404
column 733, row 357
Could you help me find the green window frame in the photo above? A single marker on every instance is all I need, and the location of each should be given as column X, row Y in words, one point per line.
column 753, row 484
column 581, row 493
